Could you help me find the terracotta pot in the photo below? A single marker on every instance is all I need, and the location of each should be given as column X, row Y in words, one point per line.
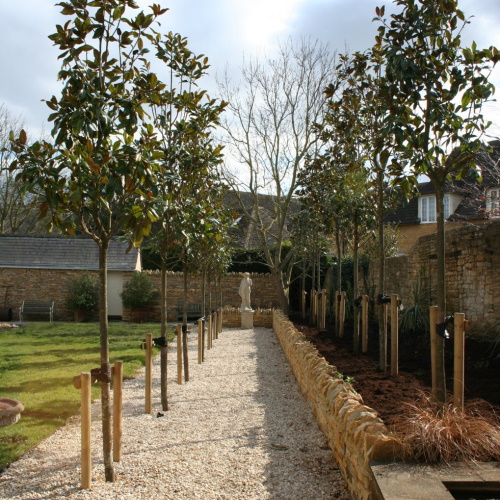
column 140, row 315
column 81, row 316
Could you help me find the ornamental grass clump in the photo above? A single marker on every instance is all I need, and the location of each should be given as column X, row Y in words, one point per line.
column 431, row 432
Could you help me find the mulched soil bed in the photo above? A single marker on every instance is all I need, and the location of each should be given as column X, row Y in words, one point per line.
column 387, row 395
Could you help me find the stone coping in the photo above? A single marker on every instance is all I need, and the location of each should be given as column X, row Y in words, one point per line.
column 399, row 481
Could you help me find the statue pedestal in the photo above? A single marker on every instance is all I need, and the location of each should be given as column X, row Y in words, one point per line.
column 246, row 320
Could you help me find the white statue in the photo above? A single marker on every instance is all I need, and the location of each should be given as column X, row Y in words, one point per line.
column 244, row 292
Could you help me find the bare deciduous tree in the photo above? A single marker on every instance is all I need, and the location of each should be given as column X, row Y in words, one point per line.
column 269, row 131
column 18, row 211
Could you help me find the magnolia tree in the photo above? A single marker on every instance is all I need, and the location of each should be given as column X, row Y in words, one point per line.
column 100, row 172
column 184, row 117
column 435, row 88
column 358, row 95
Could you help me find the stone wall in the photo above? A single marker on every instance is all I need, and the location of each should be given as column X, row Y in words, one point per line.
column 472, row 272
column 355, row 434
column 52, row 284
column 38, row 285
column 263, row 293
column 410, row 233
column 231, row 317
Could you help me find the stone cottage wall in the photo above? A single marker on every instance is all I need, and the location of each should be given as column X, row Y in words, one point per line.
column 355, row 434
column 472, row 272
column 38, row 285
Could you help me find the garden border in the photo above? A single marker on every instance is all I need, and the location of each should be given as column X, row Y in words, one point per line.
column 356, row 436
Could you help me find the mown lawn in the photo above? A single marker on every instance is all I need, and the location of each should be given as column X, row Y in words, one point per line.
column 37, row 364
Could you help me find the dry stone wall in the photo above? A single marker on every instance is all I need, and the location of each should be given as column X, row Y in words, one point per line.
column 231, row 317
column 472, row 272
column 355, row 434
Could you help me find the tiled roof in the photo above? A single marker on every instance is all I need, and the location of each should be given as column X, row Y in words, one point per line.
column 246, row 233
column 47, row 252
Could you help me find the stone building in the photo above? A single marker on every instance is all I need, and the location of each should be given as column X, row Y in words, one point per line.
column 466, row 201
column 40, row 268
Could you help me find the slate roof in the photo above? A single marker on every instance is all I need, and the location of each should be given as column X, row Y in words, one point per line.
column 407, row 211
column 473, row 204
column 46, row 252
column 246, row 233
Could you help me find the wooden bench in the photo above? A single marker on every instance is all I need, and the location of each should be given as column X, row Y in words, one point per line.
column 36, row 308
column 193, row 310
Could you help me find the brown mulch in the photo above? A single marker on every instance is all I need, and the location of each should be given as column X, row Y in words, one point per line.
column 387, row 395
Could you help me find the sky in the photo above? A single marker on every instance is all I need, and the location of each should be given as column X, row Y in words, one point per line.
column 226, row 31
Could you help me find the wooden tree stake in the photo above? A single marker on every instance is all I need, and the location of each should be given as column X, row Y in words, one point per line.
column 311, row 306
column 364, row 323
column 200, row 341
column 459, row 341
column 86, row 430
column 337, row 308
column 343, row 296
column 433, row 319
column 209, row 332
column 394, row 336
column 117, row 410
column 323, row 308
column 148, row 407
column 179, row 354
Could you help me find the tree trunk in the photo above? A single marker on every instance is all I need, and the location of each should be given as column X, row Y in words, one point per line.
column 355, row 287
column 203, row 312
column 278, row 282
column 441, row 292
column 318, row 258
column 109, row 472
column 313, row 284
column 328, row 285
column 164, row 350
column 303, row 307
column 382, row 318
column 184, row 329
column 339, row 273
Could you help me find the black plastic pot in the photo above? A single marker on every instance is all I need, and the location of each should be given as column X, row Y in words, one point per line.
column 5, row 314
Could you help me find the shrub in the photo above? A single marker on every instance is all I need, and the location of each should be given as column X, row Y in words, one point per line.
column 138, row 291
column 414, row 319
column 431, row 432
column 493, row 336
column 83, row 293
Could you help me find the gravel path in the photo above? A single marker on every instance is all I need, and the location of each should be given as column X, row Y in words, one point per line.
column 239, row 429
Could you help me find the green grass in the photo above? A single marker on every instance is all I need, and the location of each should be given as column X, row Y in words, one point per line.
column 37, row 366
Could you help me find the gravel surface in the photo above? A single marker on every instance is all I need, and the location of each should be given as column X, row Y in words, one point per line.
column 239, row 429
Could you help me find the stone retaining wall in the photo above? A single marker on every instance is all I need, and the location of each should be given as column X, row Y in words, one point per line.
column 355, row 434
column 231, row 317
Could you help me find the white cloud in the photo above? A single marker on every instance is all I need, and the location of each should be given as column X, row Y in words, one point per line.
column 224, row 30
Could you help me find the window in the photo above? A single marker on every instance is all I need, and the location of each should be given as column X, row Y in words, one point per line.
column 446, row 202
column 427, row 208
column 493, row 202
